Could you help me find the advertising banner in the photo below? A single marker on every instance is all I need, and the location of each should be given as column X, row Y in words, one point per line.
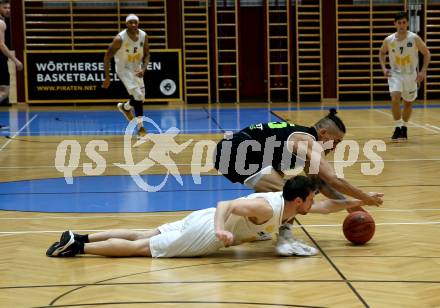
column 76, row 76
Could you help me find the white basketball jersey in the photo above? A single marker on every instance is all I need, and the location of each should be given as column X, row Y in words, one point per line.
column 130, row 55
column 245, row 231
column 403, row 54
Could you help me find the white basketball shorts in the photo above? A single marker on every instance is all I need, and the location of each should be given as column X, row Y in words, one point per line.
column 192, row 236
column 131, row 82
column 406, row 84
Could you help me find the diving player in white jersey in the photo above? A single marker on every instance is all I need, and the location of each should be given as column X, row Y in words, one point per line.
column 403, row 47
column 132, row 55
column 205, row 231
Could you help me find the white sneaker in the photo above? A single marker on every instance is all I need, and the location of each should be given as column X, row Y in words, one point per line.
column 308, row 250
column 292, row 247
column 263, row 236
column 127, row 113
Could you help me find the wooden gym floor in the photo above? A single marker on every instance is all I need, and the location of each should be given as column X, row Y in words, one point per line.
column 400, row 267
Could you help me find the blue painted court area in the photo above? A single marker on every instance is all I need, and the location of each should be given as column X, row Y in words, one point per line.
column 188, row 121
column 116, row 194
column 120, row 193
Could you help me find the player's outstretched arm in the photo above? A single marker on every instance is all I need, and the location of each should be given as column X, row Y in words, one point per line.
column 332, row 193
column 327, row 173
column 332, row 206
column 314, row 155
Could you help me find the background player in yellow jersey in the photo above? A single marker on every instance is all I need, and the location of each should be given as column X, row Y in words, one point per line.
column 132, row 55
column 403, row 47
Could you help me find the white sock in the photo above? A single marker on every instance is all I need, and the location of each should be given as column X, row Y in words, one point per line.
column 405, row 124
column 399, row 123
column 127, row 106
column 285, row 228
column 140, row 122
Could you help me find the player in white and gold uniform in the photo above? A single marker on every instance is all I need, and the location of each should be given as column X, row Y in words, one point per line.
column 132, row 55
column 205, row 231
column 403, row 49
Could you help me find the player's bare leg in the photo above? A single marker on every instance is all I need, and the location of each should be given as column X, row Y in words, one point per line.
column 397, row 115
column 126, row 234
column 112, row 243
column 116, row 247
column 406, row 115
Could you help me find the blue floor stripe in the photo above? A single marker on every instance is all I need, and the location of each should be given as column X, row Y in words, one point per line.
column 116, row 194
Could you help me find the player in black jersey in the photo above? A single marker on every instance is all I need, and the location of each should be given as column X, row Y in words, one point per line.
column 258, row 155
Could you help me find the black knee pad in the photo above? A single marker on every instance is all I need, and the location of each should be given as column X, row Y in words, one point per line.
column 138, row 107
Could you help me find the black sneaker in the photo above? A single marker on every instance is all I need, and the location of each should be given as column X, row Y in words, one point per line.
column 396, row 135
column 81, row 238
column 66, row 247
column 404, row 133
column 3, row 127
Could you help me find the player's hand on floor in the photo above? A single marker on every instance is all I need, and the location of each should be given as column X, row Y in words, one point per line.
column 225, row 236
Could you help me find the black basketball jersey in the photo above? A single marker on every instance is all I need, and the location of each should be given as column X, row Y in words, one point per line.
column 278, row 132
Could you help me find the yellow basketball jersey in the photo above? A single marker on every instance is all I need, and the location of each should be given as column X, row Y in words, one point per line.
column 245, row 231
column 129, row 56
column 403, row 54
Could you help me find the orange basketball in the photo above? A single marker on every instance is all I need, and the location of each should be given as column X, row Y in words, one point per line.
column 359, row 227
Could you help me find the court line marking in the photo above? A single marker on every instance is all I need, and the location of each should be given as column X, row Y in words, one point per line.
column 425, row 126
column 155, row 271
column 118, row 133
column 175, row 302
column 294, row 226
column 333, row 265
column 376, row 108
column 229, row 281
column 119, row 216
column 60, row 231
column 152, row 215
column 377, row 224
column 433, row 126
column 110, row 164
column 18, row 132
column 115, row 133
